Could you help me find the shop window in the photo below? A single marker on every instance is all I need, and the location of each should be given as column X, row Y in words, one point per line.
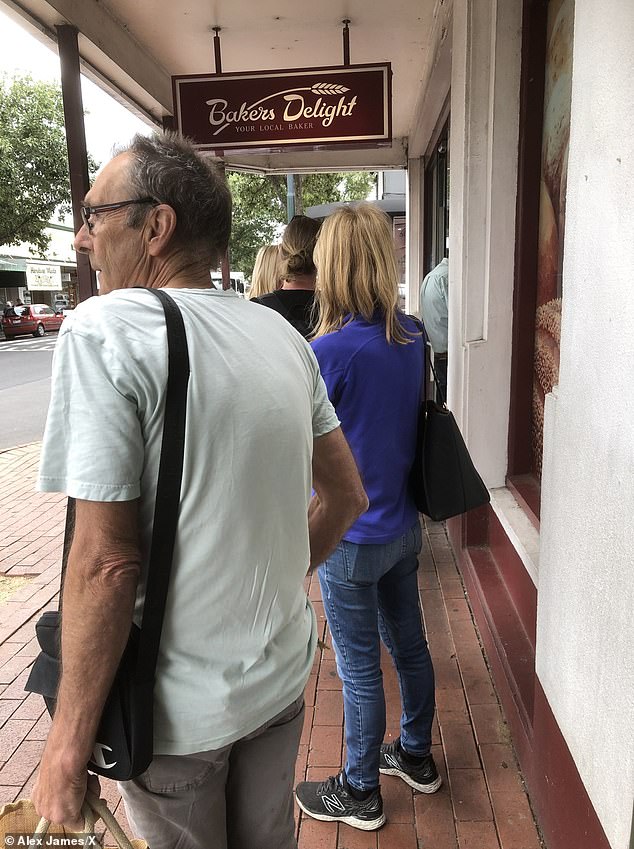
column 541, row 213
column 399, row 234
column 436, row 240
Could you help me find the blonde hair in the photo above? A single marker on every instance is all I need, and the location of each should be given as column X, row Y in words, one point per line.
column 266, row 272
column 356, row 270
column 296, row 250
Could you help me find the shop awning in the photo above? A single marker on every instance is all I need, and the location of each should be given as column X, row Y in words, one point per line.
column 8, row 263
column 134, row 47
column 393, row 206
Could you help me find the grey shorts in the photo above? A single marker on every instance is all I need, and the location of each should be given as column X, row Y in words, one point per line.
column 237, row 797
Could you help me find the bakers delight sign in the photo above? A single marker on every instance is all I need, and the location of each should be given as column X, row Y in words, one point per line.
column 310, row 108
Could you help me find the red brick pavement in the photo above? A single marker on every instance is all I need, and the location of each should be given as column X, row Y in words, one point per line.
column 482, row 804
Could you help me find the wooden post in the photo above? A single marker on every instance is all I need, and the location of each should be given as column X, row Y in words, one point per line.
column 76, row 144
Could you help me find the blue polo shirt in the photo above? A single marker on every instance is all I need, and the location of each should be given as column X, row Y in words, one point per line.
column 375, row 388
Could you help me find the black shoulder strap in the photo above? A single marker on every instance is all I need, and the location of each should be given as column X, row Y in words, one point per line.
column 168, row 489
column 427, row 358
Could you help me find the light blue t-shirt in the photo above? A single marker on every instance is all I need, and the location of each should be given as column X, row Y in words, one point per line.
column 434, row 306
column 376, row 390
column 239, row 634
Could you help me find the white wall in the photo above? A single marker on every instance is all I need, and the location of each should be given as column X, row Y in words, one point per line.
column 484, row 144
column 415, row 230
column 430, row 103
column 393, row 183
column 60, row 248
column 585, row 634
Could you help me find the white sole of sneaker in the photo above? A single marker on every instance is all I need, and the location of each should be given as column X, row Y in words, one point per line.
column 363, row 825
column 422, row 788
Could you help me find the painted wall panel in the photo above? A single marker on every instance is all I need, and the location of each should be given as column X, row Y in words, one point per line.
column 585, row 634
column 484, row 152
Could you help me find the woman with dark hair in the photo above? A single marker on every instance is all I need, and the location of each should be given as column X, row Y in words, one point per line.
column 295, row 299
column 371, row 358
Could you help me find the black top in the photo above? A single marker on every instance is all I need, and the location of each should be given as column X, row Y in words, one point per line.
column 296, row 305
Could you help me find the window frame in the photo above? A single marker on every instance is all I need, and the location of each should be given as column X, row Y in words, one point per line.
column 521, row 477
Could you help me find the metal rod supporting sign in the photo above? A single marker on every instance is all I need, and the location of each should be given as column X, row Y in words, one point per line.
column 346, row 41
column 217, row 54
column 290, row 197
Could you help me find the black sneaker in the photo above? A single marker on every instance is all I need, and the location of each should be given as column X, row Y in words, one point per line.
column 422, row 777
column 329, row 801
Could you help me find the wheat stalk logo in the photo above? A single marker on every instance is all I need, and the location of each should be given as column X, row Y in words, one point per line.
column 328, row 89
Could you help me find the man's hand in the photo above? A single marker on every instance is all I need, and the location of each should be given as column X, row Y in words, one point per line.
column 60, row 787
column 340, row 498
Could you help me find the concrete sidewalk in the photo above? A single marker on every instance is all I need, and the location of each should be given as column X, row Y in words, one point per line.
column 482, row 805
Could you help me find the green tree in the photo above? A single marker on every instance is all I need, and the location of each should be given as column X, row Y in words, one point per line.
column 34, row 178
column 259, row 206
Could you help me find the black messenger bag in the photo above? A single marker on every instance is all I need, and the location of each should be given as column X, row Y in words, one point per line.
column 125, row 739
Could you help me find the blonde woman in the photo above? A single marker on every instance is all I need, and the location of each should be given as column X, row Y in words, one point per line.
column 295, row 298
column 371, row 358
column 266, row 276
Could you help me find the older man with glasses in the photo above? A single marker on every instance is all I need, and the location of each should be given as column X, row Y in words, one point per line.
column 239, row 634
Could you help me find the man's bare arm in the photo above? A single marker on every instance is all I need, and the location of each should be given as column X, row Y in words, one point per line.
column 339, row 497
column 99, row 595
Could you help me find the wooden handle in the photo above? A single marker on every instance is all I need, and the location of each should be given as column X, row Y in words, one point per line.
column 101, row 809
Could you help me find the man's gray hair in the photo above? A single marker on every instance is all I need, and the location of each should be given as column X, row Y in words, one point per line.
column 168, row 168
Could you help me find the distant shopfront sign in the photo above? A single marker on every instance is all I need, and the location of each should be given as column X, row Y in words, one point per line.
column 8, row 263
column 307, row 108
column 43, row 277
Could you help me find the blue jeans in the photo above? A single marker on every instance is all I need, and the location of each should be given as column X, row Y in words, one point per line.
column 370, row 593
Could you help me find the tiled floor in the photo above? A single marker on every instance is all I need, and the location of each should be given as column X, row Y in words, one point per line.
column 482, row 804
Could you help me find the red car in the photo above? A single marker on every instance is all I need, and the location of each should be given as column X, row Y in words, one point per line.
column 34, row 318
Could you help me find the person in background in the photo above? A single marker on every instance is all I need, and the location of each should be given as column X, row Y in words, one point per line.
column 296, row 297
column 435, row 315
column 239, row 634
column 265, row 277
column 371, row 358
column 9, row 311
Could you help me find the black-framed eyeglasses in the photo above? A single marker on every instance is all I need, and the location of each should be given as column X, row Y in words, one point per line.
column 88, row 211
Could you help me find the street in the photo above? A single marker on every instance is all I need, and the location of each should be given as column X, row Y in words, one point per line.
column 25, row 386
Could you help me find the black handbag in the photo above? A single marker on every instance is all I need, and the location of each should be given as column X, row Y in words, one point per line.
column 443, row 480
column 125, row 738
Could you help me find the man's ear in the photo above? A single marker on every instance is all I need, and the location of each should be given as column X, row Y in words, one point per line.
column 160, row 227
